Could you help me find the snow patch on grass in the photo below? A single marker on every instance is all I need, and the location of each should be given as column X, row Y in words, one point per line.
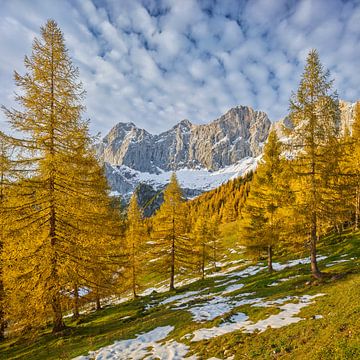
column 218, row 306
column 240, row 321
column 292, row 263
column 232, row 288
column 144, row 346
column 186, row 295
column 337, row 262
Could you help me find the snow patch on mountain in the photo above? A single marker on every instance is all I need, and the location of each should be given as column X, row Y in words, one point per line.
column 196, row 179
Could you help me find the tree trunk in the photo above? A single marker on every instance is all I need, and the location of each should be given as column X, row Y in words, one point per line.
column 172, row 271
column 98, row 304
column 215, row 255
column 56, row 301
column 337, row 228
column 57, row 314
column 76, row 302
column 314, row 266
column 357, row 208
column 269, row 259
column 203, row 262
column 314, row 216
column 133, row 272
column 2, row 320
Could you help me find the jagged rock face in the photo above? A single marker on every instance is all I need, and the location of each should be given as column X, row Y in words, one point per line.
column 347, row 113
column 239, row 133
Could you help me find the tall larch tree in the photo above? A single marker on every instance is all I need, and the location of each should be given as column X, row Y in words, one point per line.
column 355, row 164
column 314, row 112
column 172, row 245
column 265, row 209
column 199, row 233
column 96, row 232
column 52, row 141
column 207, row 241
column 214, row 240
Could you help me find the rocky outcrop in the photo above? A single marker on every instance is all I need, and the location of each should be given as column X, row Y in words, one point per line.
column 240, row 133
column 347, row 110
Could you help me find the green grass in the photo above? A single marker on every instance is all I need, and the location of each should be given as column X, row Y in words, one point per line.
column 335, row 336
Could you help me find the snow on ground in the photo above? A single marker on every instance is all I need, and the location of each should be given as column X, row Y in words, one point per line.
column 189, row 294
column 144, row 346
column 240, row 320
column 233, row 288
column 337, row 262
column 230, row 272
column 291, row 263
column 219, row 306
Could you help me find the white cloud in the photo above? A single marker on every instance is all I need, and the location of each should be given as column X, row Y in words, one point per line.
column 157, row 62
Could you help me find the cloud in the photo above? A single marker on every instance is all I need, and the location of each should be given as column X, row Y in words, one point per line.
column 157, row 62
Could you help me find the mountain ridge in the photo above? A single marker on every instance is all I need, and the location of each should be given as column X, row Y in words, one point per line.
column 204, row 156
column 238, row 133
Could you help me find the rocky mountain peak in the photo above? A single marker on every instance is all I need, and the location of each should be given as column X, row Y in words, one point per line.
column 237, row 134
column 184, row 124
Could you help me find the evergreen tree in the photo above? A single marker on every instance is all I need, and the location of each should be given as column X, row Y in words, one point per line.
column 206, row 236
column 61, row 192
column 172, row 245
column 200, row 234
column 314, row 111
column 214, row 240
column 264, row 213
column 355, row 164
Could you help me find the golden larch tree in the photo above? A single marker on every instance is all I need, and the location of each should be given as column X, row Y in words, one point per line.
column 314, row 112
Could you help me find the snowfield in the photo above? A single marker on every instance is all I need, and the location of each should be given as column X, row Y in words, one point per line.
column 196, row 179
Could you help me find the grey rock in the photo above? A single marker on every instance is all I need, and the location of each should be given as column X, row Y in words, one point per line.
column 239, row 133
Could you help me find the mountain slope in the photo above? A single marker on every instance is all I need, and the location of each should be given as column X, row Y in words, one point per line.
column 241, row 311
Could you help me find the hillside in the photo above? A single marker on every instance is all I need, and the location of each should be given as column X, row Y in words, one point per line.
column 226, row 201
column 239, row 312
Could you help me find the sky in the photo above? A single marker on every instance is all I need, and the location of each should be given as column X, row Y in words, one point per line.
column 156, row 62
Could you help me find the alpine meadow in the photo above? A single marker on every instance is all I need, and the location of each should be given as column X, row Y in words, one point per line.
column 236, row 238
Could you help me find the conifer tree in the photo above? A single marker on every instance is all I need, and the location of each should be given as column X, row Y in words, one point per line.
column 314, row 111
column 214, row 240
column 200, row 234
column 5, row 168
column 62, row 193
column 135, row 234
column 264, row 213
column 355, row 164
column 172, row 245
